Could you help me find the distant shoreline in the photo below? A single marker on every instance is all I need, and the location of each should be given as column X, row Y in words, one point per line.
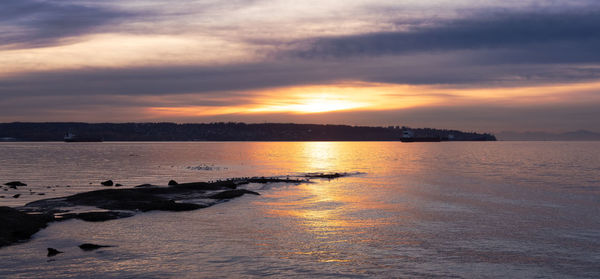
column 169, row 132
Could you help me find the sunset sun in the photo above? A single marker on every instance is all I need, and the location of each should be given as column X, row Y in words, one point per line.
column 316, row 104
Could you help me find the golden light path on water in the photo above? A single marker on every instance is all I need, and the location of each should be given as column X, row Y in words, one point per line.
column 324, row 209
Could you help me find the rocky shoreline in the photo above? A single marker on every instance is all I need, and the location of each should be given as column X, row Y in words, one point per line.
column 20, row 223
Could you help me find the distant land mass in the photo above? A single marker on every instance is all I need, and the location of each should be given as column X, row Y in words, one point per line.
column 231, row 131
column 580, row 135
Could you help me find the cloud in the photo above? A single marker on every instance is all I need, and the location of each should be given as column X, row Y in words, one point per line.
column 536, row 37
column 460, row 44
column 36, row 23
column 230, row 80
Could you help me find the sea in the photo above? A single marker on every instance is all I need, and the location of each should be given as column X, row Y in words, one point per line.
column 407, row 210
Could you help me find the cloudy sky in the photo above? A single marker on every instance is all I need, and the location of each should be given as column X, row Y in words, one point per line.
column 466, row 64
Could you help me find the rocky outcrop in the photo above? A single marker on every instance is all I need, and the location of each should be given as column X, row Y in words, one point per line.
column 95, row 216
column 17, row 225
column 91, row 246
column 20, row 224
column 326, row 175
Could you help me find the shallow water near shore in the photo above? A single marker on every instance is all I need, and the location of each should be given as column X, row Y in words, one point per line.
column 453, row 209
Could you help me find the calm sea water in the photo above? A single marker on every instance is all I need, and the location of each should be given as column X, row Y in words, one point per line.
column 449, row 210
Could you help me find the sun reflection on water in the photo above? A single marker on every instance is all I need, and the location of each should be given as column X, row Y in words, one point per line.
column 324, row 210
column 322, row 156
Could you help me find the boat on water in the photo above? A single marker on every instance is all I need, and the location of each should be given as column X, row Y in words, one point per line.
column 70, row 137
column 409, row 136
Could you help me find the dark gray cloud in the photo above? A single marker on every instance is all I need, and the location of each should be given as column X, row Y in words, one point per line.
column 162, row 80
column 35, row 23
column 524, row 37
column 233, row 79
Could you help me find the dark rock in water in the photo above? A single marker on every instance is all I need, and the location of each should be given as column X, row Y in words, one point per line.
column 17, row 225
column 145, row 186
column 15, row 183
column 91, row 246
column 102, row 216
column 230, row 194
column 172, row 182
column 96, row 216
column 218, row 185
column 326, row 175
column 122, row 203
column 118, row 185
column 137, row 199
column 1, row 197
column 41, row 194
column 107, row 183
column 16, row 196
column 53, row 252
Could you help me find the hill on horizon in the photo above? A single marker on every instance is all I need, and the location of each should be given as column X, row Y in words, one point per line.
column 579, row 135
column 221, row 131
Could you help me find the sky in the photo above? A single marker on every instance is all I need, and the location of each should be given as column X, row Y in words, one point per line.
column 475, row 65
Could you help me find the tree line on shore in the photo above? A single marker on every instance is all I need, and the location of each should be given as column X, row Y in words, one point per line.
column 230, row 131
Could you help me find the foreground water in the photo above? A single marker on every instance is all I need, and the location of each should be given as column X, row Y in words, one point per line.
column 472, row 210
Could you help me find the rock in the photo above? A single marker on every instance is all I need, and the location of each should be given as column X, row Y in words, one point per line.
column 17, row 225
column 41, row 194
column 16, row 196
column 172, row 182
column 91, row 246
column 107, row 183
column 53, row 252
column 136, row 199
column 145, row 186
column 15, row 183
column 99, row 216
column 230, row 194
column 326, row 175
column 118, row 185
column 1, row 197
column 102, row 216
column 197, row 186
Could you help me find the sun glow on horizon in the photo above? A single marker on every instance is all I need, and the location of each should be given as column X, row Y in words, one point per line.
column 358, row 96
column 336, row 97
column 316, row 104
